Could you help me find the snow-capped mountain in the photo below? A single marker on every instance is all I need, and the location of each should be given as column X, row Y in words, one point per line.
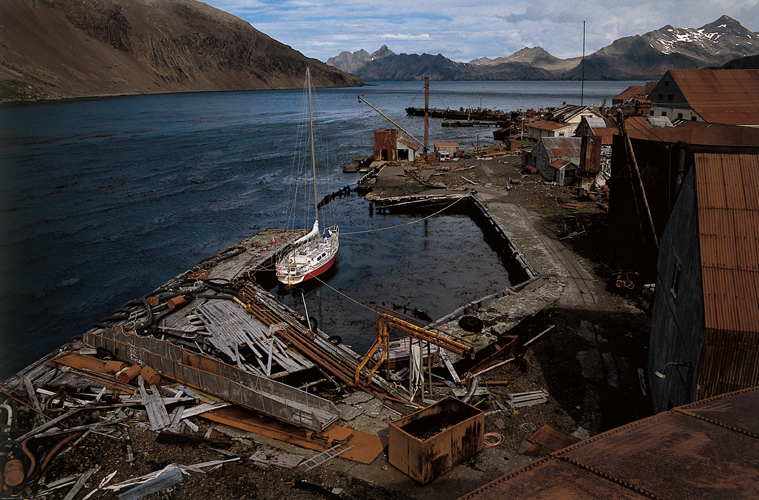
column 715, row 43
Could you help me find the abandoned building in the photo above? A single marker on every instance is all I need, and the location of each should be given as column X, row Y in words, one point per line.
column 550, row 149
column 705, row 321
column 726, row 96
column 390, row 145
column 446, row 150
column 663, row 155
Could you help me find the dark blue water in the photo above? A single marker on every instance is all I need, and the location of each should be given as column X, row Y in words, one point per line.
column 103, row 201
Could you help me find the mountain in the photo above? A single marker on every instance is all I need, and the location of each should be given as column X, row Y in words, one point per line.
column 714, row 43
column 52, row 49
column 353, row 61
column 748, row 62
column 650, row 55
column 639, row 57
column 533, row 56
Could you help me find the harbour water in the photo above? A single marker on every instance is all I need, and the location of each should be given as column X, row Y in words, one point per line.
column 104, row 200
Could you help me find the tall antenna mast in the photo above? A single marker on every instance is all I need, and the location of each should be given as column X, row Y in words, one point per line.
column 582, row 88
column 426, row 113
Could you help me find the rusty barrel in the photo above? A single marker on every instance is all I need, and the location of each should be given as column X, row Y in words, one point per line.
column 115, row 366
column 150, row 375
column 129, row 374
column 13, row 474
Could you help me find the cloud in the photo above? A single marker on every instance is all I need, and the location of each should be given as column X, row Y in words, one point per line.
column 467, row 30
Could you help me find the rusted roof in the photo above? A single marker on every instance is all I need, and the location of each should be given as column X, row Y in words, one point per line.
column 629, row 93
column 549, row 125
column 606, row 135
column 559, row 164
column 446, row 144
column 570, row 111
column 710, row 134
column 728, row 96
column 707, row 450
column 727, row 194
column 562, row 147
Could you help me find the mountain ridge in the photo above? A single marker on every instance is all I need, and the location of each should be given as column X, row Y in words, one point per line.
column 637, row 57
column 55, row 49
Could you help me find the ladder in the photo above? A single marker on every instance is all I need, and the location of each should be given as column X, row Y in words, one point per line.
column 324, row 456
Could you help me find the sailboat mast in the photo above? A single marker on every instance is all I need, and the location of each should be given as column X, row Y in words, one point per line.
column 311, row 133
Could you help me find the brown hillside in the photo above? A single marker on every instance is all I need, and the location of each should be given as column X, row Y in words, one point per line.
column 52, row 49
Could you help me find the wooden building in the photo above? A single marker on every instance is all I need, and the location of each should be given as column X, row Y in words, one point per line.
column 705, row 320
column 550, row 149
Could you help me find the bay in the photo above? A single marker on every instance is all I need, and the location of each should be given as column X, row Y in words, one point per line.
column 101, row 201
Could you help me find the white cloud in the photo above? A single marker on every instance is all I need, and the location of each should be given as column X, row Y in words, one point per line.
column 466, row 30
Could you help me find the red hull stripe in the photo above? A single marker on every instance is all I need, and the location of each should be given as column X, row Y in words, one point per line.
column 322, row 269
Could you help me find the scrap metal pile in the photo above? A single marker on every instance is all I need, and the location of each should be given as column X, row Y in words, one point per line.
column 212, row 342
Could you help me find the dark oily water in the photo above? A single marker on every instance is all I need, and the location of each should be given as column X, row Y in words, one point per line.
column 422, row 267
column 103, row 201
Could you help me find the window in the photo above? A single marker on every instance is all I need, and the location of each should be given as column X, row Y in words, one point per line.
column 679, row 116
column 676, row 277
column 670, row 97
column 666, row 83
column 661, row 97
column 664, row 113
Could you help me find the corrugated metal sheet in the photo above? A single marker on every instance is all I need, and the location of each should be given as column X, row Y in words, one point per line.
column 706, row 450
column 562, row 147
column 548, row 125
column 728, row 218
column 728, row 362
column 727, row 194
column 559, row 164
column 693, row 133
column 729, row 96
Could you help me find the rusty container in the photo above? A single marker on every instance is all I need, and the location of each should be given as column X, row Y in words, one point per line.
column 175, row 302
column 150, row 375
column 129, row 374
column 512, row 145
column 115, row 366
column 13, row 473
column 434, row 440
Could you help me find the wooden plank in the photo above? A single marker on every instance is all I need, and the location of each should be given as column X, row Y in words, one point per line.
column 165, row 480
column 80, row 483
column 157, row 414
column 448, row 365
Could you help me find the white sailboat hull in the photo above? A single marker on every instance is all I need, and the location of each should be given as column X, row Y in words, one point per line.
column 310, row 258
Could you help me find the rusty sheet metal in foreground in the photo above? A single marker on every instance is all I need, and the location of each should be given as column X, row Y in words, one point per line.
column 227, row 382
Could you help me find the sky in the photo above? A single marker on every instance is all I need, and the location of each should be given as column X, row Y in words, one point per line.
column 463, row 30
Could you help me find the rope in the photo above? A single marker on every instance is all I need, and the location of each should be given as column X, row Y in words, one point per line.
column 341, row 293
column 492, row 435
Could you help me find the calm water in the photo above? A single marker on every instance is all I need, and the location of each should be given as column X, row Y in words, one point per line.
column 103, row 201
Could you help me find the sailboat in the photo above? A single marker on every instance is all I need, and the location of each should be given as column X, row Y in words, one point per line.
column 314, row 253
